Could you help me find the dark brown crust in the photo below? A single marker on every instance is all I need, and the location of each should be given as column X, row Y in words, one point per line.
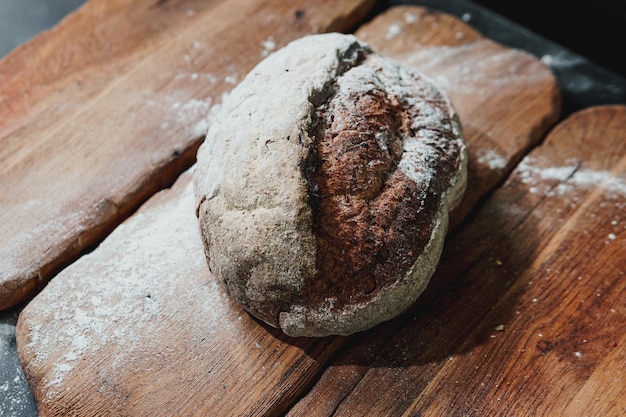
column 371, row 221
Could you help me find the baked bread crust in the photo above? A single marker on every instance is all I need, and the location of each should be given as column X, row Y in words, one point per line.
column 324, row 184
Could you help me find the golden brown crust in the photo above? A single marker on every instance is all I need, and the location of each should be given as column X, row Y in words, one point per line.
column 370, row 219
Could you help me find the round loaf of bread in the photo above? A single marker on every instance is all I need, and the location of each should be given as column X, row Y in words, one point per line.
column 324, row 184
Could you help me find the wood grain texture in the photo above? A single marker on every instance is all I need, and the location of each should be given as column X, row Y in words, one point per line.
column 526, row 314
column 487, row 83
column 138, row 326
column 143, row 329
column 110, row 106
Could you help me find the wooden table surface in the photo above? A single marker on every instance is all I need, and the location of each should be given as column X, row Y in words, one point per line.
column 524, row 316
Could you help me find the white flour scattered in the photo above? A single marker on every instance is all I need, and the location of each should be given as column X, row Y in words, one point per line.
column 120, row 296
column 571, row 176
column 577, row 81
column 492, row 159
column 191, row 109
column 561, row 60
column 195, row 113
column 268, row 46
column 572, row 183
column 50, row 226
column 475, row 68
column 530, row 172
column 393, row 30
column 410, row 17
column 589, row 178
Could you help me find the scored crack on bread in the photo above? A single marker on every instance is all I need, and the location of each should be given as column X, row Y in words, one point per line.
column 324, row 184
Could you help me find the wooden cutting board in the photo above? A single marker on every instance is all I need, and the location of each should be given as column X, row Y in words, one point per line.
column 110, row 106
column 139, row 326
column 526, row 313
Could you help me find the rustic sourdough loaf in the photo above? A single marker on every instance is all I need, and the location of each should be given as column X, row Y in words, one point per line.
column 324, row 184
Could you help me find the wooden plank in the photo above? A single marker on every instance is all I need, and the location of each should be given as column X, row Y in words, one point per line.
column 156, row 334
column 604, row 393
column 110, row 106
column 526, row 317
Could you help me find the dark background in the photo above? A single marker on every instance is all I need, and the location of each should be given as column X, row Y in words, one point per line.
column 595, row 29
column 20, row 20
